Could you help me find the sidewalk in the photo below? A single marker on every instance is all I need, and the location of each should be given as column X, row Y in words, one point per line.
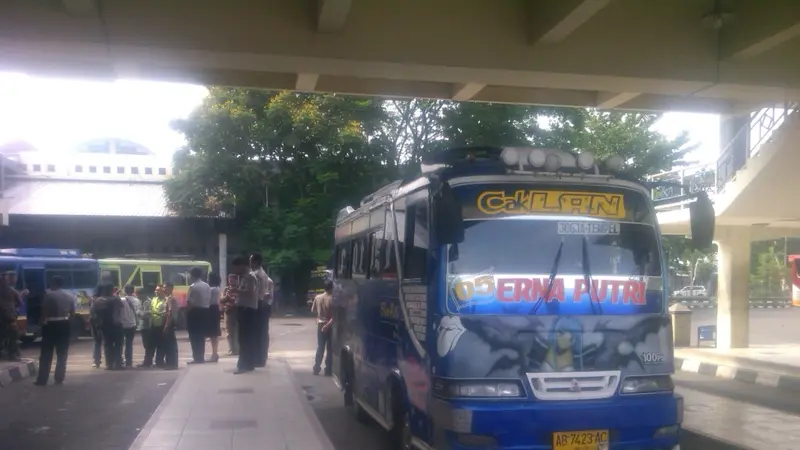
column 15, row 371
column 775, row 366
column 730, row 424
column 209, row 408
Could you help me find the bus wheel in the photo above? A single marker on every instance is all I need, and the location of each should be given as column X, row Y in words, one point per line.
column 400, row 434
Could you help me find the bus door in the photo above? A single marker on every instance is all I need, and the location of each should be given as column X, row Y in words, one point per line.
column 33, row 279
column 110, row 274
column 151, row 277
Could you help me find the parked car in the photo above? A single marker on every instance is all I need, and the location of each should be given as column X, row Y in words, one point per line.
column 691, row 291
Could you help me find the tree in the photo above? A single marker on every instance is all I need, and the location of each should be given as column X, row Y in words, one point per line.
column 771, row 275
column 282, row 163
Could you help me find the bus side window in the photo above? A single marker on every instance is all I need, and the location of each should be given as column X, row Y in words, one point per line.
column 360, row 258
column 416, row 257
column 343, row 251
column 378, row 245
column 389, row 261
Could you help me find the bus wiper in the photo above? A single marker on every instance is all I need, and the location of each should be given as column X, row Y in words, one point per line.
column 587, row 277
column 553, row 273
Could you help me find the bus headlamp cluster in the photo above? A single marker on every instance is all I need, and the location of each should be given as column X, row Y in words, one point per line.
column 551, row 160
column 478, row 388
column 647, row 384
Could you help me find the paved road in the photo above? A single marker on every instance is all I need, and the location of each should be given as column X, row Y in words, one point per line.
column 767, row 326
column 99, row 410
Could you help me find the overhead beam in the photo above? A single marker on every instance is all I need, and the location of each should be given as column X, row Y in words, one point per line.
column 81, row 7
column 755, row 29
column 306, row 82
column 611, row 100
column 332, row 15
column 553, row 20
column 466, row 91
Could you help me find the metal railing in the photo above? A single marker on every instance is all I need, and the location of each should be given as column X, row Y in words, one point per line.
column 712, row 177
column 711, row 302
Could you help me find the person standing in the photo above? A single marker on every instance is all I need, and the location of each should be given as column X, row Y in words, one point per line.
column 12, row 345
column 322, row 305
column 264, row 308
column 110, row 309
column 145, row 322
column 95, row 319
column 198, row 300
column 246, row 310
column 214, row 316
column 128, row 323
column 169, row 340
column 9, row 331
column 228, row 303
column 58, row 308
column 158, row 321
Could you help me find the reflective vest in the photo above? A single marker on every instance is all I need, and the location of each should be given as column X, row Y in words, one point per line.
column 158, row 312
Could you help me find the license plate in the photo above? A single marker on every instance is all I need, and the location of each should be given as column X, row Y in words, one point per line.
column 579, row 440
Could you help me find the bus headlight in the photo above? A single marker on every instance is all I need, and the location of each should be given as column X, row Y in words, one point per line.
column 646, row 384
column 477, row 388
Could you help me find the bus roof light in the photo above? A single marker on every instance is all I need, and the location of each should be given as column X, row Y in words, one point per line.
column 537, row 158
column 586, row 161
column 510, row 156
column 552, row 162
column 614, row 163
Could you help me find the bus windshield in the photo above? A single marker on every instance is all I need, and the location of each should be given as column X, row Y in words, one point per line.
column 504, row 265
column 76, row 275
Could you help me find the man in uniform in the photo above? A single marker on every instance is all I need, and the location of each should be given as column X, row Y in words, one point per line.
column 169, row 340
column 58, row 308
column 264, row 308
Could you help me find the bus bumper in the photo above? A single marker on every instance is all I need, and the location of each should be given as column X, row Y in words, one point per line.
column 638, row 422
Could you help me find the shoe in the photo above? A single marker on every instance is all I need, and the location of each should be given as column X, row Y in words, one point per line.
column 317, row 370
column 37, row 383
column 144, row 366
column 328, row 373
column 213, row 359
column 59, row 383
column 195, row 362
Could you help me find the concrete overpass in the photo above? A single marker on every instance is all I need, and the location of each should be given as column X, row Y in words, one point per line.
column 753, row 200
column 694, row 55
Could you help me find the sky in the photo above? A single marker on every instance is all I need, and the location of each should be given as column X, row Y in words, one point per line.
column 57, row 114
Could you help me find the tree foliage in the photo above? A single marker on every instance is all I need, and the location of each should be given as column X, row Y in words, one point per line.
column 283, row 163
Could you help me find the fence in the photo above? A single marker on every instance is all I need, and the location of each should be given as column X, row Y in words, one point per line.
column 711, row 302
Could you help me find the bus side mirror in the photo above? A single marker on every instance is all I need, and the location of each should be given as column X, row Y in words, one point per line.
column 448, row 220
column 701, row 221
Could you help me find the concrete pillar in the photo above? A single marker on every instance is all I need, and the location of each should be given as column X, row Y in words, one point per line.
column 223, row 259
column 733, row 287
column 681, row 325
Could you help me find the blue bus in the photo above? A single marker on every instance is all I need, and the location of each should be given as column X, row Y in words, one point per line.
column 35, row 268
column 509, row 298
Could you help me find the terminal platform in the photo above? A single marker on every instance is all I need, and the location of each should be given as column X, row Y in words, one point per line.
column 210, row 408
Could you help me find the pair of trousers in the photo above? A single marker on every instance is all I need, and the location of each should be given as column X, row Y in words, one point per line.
column 197, row 321
column 262, row 352
column 169, row 346
column 128, row 335
column 55, row 339
column 248, row 337
column 324, row 345
column 9, row 333
column 150, row 340
column 97, row 352
column 112, row 344
column 232, row 330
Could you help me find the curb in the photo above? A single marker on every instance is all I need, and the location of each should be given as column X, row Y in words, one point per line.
column 20, row 371
column 749, row 376
column 316, row 425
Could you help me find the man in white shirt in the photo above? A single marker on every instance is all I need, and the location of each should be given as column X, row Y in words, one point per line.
column 198, row 319
column 264, row 308
column 128, row 314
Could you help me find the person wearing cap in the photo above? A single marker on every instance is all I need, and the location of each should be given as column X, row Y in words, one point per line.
column 58, row 309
